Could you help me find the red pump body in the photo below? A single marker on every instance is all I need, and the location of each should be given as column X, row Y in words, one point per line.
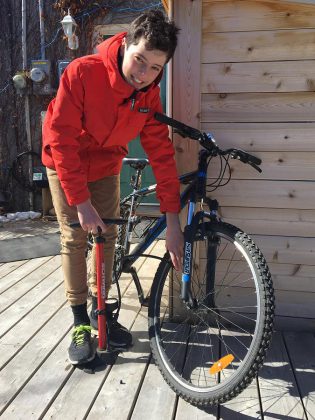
column 101, row 293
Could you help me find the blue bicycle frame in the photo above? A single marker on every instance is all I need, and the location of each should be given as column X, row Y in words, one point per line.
column 194, row 192
column 158, row 226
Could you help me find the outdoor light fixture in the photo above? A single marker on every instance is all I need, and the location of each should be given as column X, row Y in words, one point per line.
column 69, row 26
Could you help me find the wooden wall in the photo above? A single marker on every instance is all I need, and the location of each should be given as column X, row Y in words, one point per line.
column 257, row 83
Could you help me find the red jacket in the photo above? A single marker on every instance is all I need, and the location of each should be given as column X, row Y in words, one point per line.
column 92, row 119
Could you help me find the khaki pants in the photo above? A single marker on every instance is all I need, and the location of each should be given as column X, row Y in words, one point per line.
column 105, row 195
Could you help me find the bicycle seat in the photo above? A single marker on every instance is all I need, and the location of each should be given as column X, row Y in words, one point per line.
column 136, row 163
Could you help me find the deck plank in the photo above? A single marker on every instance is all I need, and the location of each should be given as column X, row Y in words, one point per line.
column 279, row 393
column 12, row 295
column 23, row 306
column 42, row 386
column 20, row 370
column 18, row 336
column 22, row 271
column 8, row 268
column 186, row 411
column 156, row 399
column 301, row 351
column 246, row 405
column 124, row 378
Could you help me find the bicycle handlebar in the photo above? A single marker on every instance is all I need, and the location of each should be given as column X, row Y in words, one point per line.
column 208, row 141
column 182, row 129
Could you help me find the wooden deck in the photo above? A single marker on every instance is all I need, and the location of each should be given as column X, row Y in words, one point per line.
column 37, row 380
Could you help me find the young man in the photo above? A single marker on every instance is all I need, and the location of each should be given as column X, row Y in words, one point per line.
column 103, row 102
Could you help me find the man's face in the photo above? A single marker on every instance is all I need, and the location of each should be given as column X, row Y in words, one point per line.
column 140, row 66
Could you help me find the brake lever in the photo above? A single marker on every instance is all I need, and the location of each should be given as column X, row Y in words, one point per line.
column 258, row 169
column 245, row 158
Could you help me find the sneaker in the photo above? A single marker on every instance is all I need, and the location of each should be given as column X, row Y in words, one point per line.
column 118, row 336
column 81, row 349
column 94, row 320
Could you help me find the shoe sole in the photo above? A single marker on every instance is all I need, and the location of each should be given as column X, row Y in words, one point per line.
column 120, row 348
column 82, row 361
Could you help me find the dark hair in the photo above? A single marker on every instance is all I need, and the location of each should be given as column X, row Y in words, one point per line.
column 158, row 30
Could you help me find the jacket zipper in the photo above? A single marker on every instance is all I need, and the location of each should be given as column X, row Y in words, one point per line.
column 133, row 100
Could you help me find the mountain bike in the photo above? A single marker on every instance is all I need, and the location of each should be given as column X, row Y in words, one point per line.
column 211, row 325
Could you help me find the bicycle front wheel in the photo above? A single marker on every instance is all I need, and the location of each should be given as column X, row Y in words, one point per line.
column 210, row 350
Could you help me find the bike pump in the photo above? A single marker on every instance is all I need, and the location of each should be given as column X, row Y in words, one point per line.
column 103, row 349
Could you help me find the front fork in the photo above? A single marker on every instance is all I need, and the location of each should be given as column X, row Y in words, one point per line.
column 193, row 223
column 189, row 233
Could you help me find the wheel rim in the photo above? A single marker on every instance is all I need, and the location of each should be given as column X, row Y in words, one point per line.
column 191, row 342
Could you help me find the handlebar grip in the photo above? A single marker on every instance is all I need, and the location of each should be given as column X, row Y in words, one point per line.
column 253, row 159
column 183, row 129
column 246, row 157
column 163, row 119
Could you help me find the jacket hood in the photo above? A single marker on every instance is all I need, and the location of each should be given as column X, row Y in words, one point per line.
column 109, row 51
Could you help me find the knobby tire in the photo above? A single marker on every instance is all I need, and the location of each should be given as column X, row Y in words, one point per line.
column 186, row 342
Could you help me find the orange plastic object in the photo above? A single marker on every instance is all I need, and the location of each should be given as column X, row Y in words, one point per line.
column 221, row 364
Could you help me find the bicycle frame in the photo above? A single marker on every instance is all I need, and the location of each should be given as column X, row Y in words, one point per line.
column 158, row 226
column 195, row 191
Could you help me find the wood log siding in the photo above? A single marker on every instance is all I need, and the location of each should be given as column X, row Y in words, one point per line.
column 271, row 221
column 272, row 194
column 258, row 107
column 218, row 16
column 298, row 44
column 276, row 165
column 256, row 137
column 257, row 93
column 278, row 76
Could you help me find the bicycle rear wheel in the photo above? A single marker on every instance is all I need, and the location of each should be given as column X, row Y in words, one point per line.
column 210, row 352
column 141, row 225
column 120, row 245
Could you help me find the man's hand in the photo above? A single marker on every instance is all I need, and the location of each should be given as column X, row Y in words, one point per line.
column 174, row 240
column 89, row 218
